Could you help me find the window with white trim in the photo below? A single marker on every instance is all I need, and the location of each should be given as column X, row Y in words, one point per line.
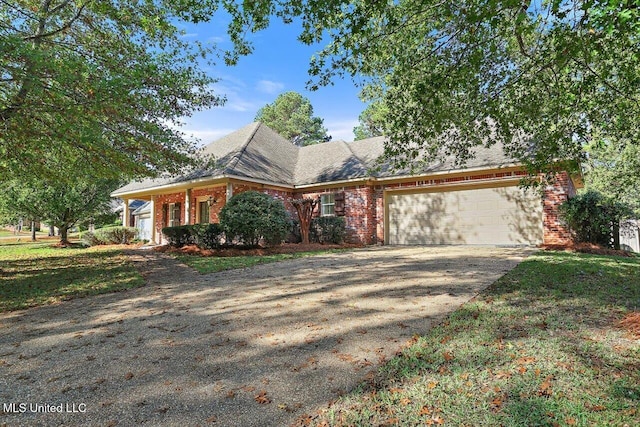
column 174, row 214
column 203, row 212
column 328, row 204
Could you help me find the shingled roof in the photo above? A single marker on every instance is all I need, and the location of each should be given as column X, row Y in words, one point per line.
column 256, row 152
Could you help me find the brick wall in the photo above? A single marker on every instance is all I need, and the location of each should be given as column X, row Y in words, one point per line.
column 360, row 212
column 219, row 194
column 166, row 199
column 555, row 194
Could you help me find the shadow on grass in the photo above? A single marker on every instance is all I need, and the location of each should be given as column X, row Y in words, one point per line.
column 41, row 278
column 541, row 346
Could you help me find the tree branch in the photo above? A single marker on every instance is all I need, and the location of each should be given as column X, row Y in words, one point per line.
column 41, row 34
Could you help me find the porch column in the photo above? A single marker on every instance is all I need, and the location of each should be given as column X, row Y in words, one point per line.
column 152, row 206
column 229, row 192
column 125, row 213
column 187, row 207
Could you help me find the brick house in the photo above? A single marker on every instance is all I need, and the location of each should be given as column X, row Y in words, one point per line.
column 441, row 204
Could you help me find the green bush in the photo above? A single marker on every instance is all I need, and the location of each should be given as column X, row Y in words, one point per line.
column 110, row 236
column 179, row 235
column 89, row 239
column 328, row 229
column 592, row 218
column 251, row 216
column 207, row 236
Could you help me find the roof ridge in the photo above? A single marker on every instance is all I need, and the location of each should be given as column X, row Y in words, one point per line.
column 362, row 163
column 244, row 148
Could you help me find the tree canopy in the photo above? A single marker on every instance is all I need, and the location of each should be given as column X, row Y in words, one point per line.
column 542, row 78
column 371, row 121
column 104, row 81
column 56, row 202
column 613, row 169
column 291, row 115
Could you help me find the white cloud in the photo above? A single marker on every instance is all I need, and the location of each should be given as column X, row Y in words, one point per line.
column 205, row 136
column 340, row 129
column 270, row 87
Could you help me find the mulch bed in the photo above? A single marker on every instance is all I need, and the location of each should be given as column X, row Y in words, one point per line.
column 631, row 322
column 587, row 248
column 286, row 248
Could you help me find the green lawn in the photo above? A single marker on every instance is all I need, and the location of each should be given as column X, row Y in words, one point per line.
column 37, row 273
column 212, row 264
column 542, row 346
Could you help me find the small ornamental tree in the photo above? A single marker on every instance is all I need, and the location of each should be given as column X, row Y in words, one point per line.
column 304, row 208
column 252, row 216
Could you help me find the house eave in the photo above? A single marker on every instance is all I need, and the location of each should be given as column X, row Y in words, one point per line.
column 146, row 193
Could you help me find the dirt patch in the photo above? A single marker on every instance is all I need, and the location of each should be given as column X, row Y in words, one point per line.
column 587, row 248
column 287, row 248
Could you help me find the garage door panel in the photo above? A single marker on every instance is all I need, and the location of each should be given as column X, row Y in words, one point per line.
column 504, row 215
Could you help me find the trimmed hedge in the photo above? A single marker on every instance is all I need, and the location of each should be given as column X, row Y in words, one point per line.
column 179, row 235
column 110, row 236
column 205, row 236
column 252, row 216
column 328, row 229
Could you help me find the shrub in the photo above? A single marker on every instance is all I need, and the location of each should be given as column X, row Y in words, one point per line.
column 251, row 216
column 328, row 229
column 89, row 238
column 110, row 236
column 178, row 236
column 294, row 235
column 207, row 236
column 592, row 218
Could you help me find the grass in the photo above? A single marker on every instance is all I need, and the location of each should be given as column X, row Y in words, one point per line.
column 205, row 265
column 542, row 346
column 33, row 274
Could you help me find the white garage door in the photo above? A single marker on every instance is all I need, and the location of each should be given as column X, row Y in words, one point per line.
column 144, row 228
column 495, row 216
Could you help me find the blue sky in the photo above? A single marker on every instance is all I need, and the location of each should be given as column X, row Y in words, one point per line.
column 279, row 64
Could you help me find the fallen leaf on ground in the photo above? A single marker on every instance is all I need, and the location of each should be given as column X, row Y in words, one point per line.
column 425, row 411
column 595, row 408
column 262, row 398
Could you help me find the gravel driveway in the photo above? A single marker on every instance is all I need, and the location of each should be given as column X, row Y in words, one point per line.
column 254, row 347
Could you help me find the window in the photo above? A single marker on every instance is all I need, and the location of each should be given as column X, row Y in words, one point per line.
column 203, row 212
column 327, row 205
column 174, row 214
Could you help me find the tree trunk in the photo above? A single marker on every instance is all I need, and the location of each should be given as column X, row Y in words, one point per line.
column 304, row 209
column 64, row 230
column 52, row 231
column 33, row 231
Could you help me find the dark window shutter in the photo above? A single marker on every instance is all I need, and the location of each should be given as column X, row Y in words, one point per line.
column 339, row 204
column 177, row 214
column 165, row 215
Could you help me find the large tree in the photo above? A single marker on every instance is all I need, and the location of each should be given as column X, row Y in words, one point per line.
column 291, row 115
column 613, row 169
column 57, row 203
column 105, row 80
column 542, row 77
column 371, row 121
